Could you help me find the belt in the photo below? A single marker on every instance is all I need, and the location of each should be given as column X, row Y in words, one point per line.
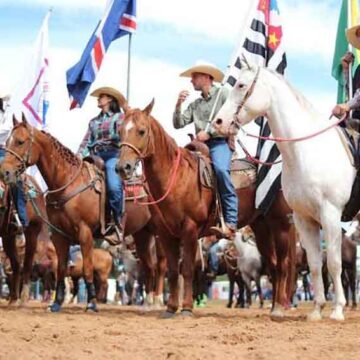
column 217, row 139
column 99, row 148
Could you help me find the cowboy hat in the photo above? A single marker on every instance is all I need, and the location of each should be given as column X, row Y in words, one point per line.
column 353, row 36
column 107, row 90
column 208, row 69
column 4, row 95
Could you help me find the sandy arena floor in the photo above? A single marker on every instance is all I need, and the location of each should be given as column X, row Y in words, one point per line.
column 214, row 333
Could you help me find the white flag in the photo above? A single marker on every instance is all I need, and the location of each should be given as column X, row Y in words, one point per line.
column 32, row 96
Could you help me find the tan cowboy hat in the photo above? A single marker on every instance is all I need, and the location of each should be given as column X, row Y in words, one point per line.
column 353, row 36
column 4, row 95
column 107, row 90
column 208, row 69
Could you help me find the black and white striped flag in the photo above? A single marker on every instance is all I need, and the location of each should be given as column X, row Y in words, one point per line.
column 263, row 46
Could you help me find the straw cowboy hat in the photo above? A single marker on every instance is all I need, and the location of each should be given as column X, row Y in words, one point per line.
column 353, row 36
column 107, row 90
column 208, row 69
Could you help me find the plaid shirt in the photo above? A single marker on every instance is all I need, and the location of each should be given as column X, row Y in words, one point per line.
column 103, row 130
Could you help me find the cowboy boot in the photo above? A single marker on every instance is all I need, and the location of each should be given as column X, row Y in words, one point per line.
column 114, row 234
column 228, row 232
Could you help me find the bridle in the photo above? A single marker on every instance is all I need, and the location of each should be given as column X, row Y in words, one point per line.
column 246, row 97
column 24, row 161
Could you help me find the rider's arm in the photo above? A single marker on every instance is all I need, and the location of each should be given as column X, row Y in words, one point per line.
column 181, row 119
column 84, row 149
column 354, row 103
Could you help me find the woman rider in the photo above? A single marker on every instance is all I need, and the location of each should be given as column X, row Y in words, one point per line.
column 102, row 139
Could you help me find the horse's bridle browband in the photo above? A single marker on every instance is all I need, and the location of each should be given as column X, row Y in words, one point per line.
column 23, row 160
column 246, row 97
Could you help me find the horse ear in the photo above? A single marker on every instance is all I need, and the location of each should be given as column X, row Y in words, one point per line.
column 23, row 119
column 15, row 121
column 245, row 62
column 149, row 108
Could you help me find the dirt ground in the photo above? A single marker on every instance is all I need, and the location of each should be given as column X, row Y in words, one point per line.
column 215, row 332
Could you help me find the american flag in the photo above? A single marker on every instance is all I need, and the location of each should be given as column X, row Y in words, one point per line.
column 119, row 19
column 263, row 46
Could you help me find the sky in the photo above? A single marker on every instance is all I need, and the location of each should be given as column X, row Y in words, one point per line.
column 171, row 36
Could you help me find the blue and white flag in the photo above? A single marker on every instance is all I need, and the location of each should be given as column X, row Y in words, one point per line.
column 119, row 19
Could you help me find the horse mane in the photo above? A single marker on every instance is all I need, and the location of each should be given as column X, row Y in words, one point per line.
column 63, row 151
column 302, row 100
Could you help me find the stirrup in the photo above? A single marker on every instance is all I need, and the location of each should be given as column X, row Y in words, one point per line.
column 113, row 235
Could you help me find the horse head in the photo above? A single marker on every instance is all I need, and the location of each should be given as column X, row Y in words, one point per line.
column 136, row 140
column 249, row 99
column 21, row 151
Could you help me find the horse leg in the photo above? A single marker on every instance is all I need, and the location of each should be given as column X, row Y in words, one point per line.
column 241, row 296
column 171, row 247
column 190, row 244
column 258, row 288
column 11, row 253
column 86, row 242
column 309, row 233
column 143, row 239
column 161, row 267
column 345, row 284
column 62, row 251
column 231, row 290
column 330, row 220
column 31, row 235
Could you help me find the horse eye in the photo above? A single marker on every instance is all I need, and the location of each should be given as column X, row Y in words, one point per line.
column 20, row 142
column 241, row 86
column 141, row 132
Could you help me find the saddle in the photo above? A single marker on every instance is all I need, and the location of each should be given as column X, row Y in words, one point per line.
column 350, row 139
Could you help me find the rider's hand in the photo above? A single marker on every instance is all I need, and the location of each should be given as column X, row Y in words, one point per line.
column 202, row 136
column 182, row 97
column 347, row 59
column 340, row 109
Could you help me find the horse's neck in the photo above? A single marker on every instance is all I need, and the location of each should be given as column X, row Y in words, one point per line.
column 55, row 169
column 159, row 165
column 290, row 116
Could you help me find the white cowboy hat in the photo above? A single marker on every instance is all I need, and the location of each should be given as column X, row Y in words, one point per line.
column 107, row 90
column 4, row 95
column 353, row 36
column 208, row 69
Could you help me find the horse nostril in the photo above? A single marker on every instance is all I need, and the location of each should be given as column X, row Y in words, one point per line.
column 127, row 167
column 219, row 121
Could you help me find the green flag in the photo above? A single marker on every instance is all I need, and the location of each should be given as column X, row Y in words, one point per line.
column 342, row 46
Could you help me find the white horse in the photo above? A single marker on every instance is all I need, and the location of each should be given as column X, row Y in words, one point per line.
column 317, row 174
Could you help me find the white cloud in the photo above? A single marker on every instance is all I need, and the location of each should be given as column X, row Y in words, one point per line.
column 305, row 31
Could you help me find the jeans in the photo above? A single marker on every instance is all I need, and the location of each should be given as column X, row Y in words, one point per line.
column 214, row 258
column 18, row 194
column 220, row 154
column 113, row 182
column 73, row 251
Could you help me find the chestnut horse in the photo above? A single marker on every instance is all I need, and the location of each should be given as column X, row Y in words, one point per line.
column 73, row 201
column 7, row 232
column 184, row 210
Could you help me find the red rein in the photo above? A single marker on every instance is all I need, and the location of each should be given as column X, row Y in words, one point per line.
column 171, row 183
column 279, row 139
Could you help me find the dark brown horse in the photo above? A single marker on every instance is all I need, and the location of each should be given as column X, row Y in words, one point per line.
column 73, row 201
column 21, row 266
column 186, row 209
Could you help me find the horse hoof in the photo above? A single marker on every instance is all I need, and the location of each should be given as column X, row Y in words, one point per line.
column 91, row 307
column 186, row 313
column 314, row 316
column 337, row 315
column 54, row 308
column 14, row 303
column 168, row 315
column 277, row 315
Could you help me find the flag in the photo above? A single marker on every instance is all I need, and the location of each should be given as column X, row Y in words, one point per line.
column 34, row 89
column 342, row 46
column 119, row 19
column 263, row 46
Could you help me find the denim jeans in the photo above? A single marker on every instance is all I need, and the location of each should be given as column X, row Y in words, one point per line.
column 18, row 194
column 214, row 258
column 73, row 251
column 220, row 154
column 113, row 182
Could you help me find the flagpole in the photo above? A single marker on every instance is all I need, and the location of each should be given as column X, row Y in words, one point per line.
column 128, row 69
column 234, row 54
column 350, row 48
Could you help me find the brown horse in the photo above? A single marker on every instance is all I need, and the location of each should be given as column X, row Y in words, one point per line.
column 73, row 201
column 185, row 209
column 7, row 232
column 102, row 261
